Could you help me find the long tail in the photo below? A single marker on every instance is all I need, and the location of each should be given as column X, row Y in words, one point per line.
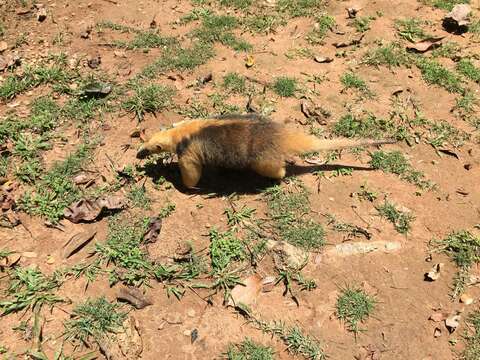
column 296, row 142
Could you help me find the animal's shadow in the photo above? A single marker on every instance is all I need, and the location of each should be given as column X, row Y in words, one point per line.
column 217, row 182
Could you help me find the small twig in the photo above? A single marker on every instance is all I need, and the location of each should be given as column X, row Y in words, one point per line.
column 111, row 2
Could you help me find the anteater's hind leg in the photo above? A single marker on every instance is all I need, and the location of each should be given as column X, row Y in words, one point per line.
column 191, row 172
column 270, row 169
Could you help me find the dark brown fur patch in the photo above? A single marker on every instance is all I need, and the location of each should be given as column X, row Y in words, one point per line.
column 236, row 144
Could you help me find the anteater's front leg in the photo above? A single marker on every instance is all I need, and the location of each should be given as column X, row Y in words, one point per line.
column 191, row 171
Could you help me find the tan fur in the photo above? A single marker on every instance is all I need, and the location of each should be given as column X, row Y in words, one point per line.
column 246, row 142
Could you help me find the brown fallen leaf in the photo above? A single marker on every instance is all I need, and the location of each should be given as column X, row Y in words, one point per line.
column 77, row 242
column 452, row 322
column 449, row 153
column 352, row 41
column 9, row 220
column 458, row 18
column 133, row 296
column 246, row 294
column 249, row 61
column 434, row 272
column 41, row 14
column 353, row 11
column 89, row 210
column 462, row 191
column 153, row 230
column 268, row 283
column 9, row 260
column 437, row 332
column 426, row 44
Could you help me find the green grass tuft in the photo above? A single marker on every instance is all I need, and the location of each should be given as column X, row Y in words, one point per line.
column 362, row 23
column 323, row 24
column 146, row 40
column 401, row 220
column 234, row 82
column 469, row 70
column 445, row 4
column 436, row 74
column 472, row 338
column 411, row 29
column 224, row 248
column 353, row 307
column 285, row 86
column 350, row 80
column 94, row 320
column 390, row 55
column 148, row 99
column 372, row 127
column 249, row 350
column 394, row 162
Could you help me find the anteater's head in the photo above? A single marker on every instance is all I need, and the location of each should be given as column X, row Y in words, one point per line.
column 160, row 142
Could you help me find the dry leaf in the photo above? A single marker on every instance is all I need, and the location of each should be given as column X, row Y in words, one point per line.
column 268, row 283
column 434, row 272
column 249, row 61
column 130, row 342
column 246, row 294
column 89, row 210
column 133, row 296
column 452, row 322
column 437, row 332
column 77, row 242
column 353, row 11
column 466, row 299
column 458, row 17
column 10, row 260
column 426, row 44
column 153, row 230
column 41, row 14
column 9, row 220
column 449, row 153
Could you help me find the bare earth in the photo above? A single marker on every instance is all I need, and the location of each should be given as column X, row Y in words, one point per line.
column 399, row 327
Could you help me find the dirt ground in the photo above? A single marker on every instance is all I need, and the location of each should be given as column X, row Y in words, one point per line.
column 399, row 327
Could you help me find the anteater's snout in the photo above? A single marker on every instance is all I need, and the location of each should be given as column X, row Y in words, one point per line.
column 142, row 153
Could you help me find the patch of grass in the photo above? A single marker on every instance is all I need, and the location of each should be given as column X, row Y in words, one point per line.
column 195, row 15
column 366, row 194
column 372, row 127
column 401, row 220
column 263, row 23
column 350, row 80
column 4, row 165
column 285, row 86
column 474, row 27
column 178, row 58
column 29, row 289
column 411, row 29
column 436, row 74
column 224, row 248
column 234, row 82
column 390, row 55
column 323, row 24
column 287, row 208
column 469, row 70
column 463, row 248
column 448, row 50
column 466, row 103
column 116, row 27
column 249, row 350
column 297, row 8
column 472, row 339
column 446, row 4
column 353, row 307
column 55, row 190
column 237, row 4
column 362, row 23
column 146, row 40
column 220, row 106
column 148, row 99
column 394, row 162
column 138, row 197
column 442, row 132
column 31, row 78
column 94, row 320
column 218, row 28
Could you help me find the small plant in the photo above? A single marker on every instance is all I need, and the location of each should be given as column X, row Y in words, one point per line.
column 300, row 344
column 362, row 24
column 234, row 82
column 401, row 220
column 224, row 248
column 394, row 162
column 263, row 23
column 237, row 4
column 448, row 50
column 390, row 55
column 353, row 307
column 249, row 350
column 411, row 29
column 285, row 86
column 146, row 40
column 287, row 209
column 148, row 99
column 445, row 4
column 351, row 126
column 138, row 197
column 30, row 289
column 469, row 70
column 366, row 194
column 436, row 74
column 463, row 247
column 295, row 8
column 93, row 320
column 472, row 338
column 350, row 80
column 323, row 24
